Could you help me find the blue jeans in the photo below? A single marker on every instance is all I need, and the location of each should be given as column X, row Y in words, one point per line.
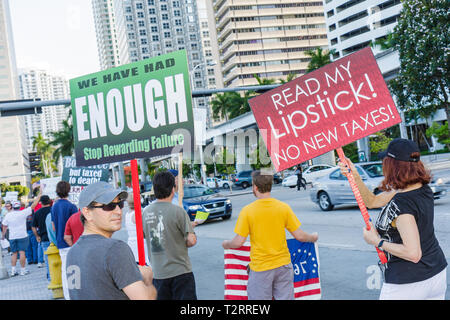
column 32, row 250
column 42, row 247
column 40, row 253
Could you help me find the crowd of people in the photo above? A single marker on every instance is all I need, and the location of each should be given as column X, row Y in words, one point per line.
column 97, row 266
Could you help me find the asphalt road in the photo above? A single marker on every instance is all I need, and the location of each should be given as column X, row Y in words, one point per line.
column 348, row 266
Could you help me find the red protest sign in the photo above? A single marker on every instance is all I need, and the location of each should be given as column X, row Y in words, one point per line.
column 325, row 109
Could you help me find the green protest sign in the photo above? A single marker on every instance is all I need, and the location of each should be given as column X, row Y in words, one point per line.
column 142, row 109
column 83, row 176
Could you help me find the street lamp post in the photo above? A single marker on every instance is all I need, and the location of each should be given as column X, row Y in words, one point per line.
column 192, row 73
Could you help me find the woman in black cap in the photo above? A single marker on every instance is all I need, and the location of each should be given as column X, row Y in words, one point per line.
column 416, row 267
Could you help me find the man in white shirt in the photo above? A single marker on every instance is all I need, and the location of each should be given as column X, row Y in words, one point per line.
column 16, row 222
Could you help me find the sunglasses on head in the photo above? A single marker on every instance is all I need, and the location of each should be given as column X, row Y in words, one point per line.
column 110, row 206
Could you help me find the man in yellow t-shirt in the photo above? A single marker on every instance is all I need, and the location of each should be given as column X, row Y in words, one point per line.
column 265, row 220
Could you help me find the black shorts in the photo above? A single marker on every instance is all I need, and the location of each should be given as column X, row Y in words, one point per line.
column 181, row 287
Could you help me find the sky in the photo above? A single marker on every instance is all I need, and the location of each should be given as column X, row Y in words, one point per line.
column 55, row 35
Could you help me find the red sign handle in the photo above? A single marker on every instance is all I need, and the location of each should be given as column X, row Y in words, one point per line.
column 359, row 200
column 138, row 211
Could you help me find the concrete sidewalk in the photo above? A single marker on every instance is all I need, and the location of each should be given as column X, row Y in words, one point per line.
column 32, row 286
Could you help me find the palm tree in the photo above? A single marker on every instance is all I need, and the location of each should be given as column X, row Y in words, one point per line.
column 239, row 103
column 63, row 141
column 263, row 82
column 319, row 58
column 290, row 77
column 222, row 104
column 45, row 150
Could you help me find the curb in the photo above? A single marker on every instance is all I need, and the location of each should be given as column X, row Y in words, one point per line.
column 237, row 194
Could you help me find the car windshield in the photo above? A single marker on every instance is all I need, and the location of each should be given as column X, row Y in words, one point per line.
column 197, row 191
column 374, row 170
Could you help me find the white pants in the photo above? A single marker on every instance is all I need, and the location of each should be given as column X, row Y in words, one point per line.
column 63, row 254
column 430, row 289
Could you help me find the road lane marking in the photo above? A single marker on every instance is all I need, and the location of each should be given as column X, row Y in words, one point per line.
column 336, row 245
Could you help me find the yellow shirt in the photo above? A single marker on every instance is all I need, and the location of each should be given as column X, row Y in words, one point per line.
column 265, row 220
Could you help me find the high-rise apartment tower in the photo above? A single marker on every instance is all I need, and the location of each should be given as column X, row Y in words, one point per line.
column 267, row 38
column 14, row 163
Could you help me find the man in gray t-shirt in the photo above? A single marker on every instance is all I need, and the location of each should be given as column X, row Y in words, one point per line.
column 169, row 233
column 99, row 267
column 91, row 264
column 166, row 227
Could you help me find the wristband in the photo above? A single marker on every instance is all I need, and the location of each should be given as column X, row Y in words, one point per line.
column 380, row 244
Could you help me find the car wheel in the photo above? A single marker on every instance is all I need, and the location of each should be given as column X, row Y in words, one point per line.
column 225, row 186
column 325, row 202
column 245, row 185
column 226, row 217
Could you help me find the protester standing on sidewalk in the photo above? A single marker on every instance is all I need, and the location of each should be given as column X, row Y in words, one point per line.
column 74, row 229
column 169, row 233
column 6, row 209
column 32, row 251
column 416, row 267
column 61, row 211
column 40, row 231
column 271, row 272
column 50, row 232
column 99, row 267
column 16, row 222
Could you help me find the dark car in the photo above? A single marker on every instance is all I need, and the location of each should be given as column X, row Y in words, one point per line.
column 277, row 178
column 146, row 192
column 198, row 197
column 146, row 186
column 243, row 179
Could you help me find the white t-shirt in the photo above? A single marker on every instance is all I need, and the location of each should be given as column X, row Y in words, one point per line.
column 132, row 237
column 17, row 223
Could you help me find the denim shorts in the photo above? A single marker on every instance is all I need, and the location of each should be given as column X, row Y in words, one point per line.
column 19, row 244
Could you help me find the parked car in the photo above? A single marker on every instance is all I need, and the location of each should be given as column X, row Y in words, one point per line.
column 438, row 187
column 147, row 194
column 277, row 178
column 146, row 186
column 310, row 174
column 243, row 179
column 333, row 188
column 198, row 197
column 211, row 182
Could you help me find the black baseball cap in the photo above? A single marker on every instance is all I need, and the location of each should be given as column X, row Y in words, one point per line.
column 45, row 200
column 401, row 149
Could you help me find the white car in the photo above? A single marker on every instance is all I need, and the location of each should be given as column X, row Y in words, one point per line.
column 310, row 174
column 211, row 183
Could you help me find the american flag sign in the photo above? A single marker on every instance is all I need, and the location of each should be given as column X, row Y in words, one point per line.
column 305, row 261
